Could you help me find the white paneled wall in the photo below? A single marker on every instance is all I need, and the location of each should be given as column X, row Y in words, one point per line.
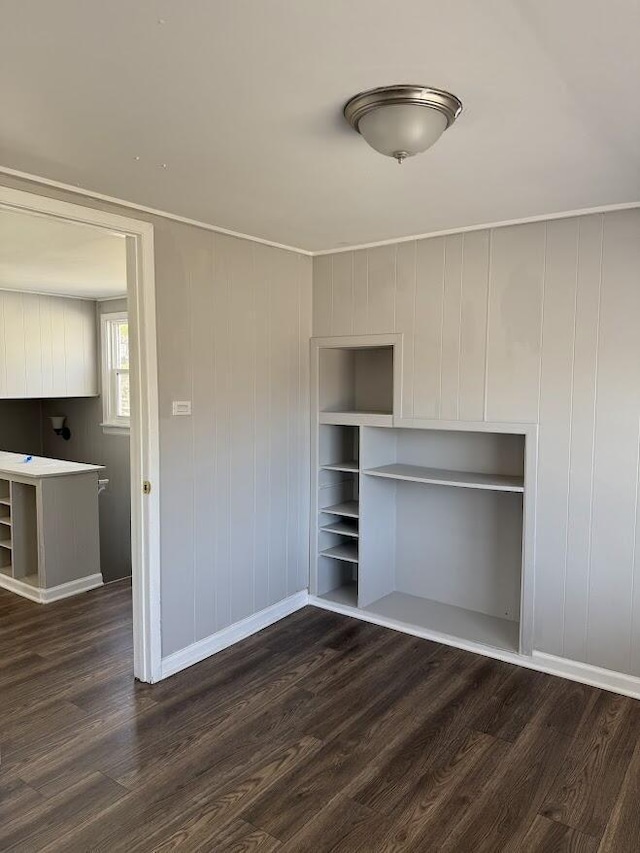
column 234, row 500
column 532, row 323
column 48, row 346
column 234, row 332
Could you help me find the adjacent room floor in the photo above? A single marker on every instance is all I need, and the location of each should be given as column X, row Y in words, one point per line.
column 320, row 733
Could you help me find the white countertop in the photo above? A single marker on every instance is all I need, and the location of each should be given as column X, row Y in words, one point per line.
column 13, row 464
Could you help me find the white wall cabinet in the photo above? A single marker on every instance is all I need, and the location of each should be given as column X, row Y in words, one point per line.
column 48, row 346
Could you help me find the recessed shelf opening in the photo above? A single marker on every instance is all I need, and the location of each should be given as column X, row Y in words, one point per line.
column 356, row 380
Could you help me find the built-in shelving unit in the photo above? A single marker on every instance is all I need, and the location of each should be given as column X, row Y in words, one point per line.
column 419, row 528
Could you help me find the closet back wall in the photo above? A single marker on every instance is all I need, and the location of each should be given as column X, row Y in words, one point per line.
column 533, row 323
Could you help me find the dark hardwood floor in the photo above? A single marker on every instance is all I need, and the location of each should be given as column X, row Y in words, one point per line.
column 320, row 733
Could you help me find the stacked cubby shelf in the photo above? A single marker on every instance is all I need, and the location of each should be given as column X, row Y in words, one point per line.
column 6, row 543
column 420, row 528
column 339, row 511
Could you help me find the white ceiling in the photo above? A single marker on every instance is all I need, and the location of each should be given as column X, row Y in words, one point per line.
column 242, row 103
column 45, row 255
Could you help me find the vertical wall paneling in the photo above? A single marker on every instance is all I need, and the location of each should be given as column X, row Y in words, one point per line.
column 179, row 256
column 222, row 379
column 451, row 327
column 537, row 324
column 616, row 445
column 515, row 320
column 261, row 506
column 241, row 320
column 304, row 288
column 16, row 354
column 473, row 326
column 49, row 346
column 558, row 332
column 587, row 320
column 342, row 294
column 382, row 284
column 197, row 458
column 406, row 316
column 204, row 426
column 360, row 292
column 427, row 343
column 278, row 449
column 322, row 295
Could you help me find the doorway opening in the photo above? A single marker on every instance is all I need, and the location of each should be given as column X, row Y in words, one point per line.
column 78, row 387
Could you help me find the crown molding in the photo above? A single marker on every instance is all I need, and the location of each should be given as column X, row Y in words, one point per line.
column 544, row 217
column 59, row 185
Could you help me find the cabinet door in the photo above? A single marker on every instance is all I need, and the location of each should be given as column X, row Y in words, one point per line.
column 48, row 346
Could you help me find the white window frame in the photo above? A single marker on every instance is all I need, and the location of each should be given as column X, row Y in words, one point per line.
column 111, row 421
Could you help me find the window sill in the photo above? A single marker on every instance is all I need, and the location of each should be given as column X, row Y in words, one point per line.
column 115, row 429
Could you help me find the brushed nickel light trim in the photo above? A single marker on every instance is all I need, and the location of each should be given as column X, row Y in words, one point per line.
column 407, row 95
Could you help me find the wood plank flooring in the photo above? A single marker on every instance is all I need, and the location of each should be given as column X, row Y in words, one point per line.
column 319, row 734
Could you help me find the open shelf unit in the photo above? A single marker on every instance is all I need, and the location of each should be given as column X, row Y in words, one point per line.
column 338, row 484
column 18, row 534
column 421, row 528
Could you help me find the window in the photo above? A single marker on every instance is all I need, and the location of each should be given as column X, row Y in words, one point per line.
column 115, row 371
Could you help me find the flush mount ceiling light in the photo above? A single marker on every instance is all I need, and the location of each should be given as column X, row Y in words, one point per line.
column 401, row 121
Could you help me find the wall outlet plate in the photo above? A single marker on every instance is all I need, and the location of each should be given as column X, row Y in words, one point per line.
column 181, row 407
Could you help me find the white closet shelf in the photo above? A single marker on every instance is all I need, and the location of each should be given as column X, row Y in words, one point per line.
column 341, row 466
column 348, row 552
column 447, row 619
column 348, row 508
column 6, row 520
column 5, row 501
column 444, row 477
column 347, row 595
column 356, row 418
column 341, row 528
column 5, row 543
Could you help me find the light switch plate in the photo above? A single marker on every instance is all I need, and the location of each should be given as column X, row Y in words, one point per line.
column 181, row 407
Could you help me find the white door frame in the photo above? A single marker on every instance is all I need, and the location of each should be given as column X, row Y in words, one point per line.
column 145, row 445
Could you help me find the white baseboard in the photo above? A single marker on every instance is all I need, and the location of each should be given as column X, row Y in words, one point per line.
column 202, row 649
column 584, row 673
column 52, row 593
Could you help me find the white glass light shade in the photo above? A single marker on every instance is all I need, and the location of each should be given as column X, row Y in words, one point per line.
column 402, row 130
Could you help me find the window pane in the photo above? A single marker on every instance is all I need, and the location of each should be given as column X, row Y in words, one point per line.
column 121, row 335
column 123, row 409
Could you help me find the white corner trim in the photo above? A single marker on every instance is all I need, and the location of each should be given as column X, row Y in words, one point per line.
column 605, row 679
column 52, row 593
column 585, row 673
column 59, row 185
column 202, row 649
